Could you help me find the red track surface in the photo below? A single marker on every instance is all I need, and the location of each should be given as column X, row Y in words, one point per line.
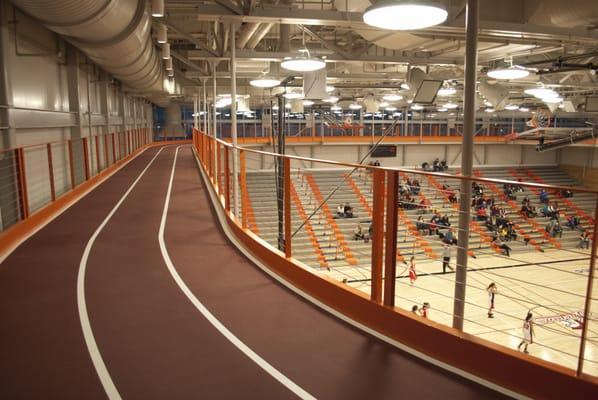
column 154, row 342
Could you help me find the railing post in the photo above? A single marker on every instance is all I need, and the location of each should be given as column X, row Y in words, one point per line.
column 71, row 163
column 377, row 235
column 22, row 183
column 106, row 161
column 226, row 180
column 97, row 141
column 218, row 169
column 287, row 208
column 113, row 148
column 589, row 289
column 129, row 150
column 243, row 190
column 51, row 172
column 390, row 254
column 85, row 143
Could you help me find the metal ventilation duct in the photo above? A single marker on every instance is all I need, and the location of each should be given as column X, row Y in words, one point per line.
column 115, row 34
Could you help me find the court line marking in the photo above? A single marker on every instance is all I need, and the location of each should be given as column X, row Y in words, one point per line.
column 216, row 205
column 92, row 346
column 253, row 356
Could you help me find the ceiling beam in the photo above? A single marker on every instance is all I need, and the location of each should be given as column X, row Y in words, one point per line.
column 189, row 63
column 253, row 55
column 198, row 43
column 514, row 32
column 230, row 6
column 329, row 45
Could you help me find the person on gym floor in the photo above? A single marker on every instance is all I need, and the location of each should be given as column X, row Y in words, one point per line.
column 412, row 272
column 491, row 289
column 528, row 333
column 446, row 258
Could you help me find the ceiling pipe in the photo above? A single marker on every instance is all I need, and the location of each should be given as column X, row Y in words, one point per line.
column 113, row 34
column 247, row 31
column 260, row 34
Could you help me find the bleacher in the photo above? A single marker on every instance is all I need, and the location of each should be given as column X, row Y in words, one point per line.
column 326, row 241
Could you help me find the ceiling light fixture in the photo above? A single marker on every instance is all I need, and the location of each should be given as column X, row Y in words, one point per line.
column 384, row 104
column 417, row 107
column 331, row 99
column 303, row 62
column 355, row 106
column 264, row 82
column 541, row 92
column 336, row 108
column 157, row 8
column 166, row 51
column 293, row 95
column 447, row 91
column 161, row 33
column 451, row 106
column 489, row 110
column 308, row 103
column 329, row 89
column 523, row 109
column 442, row 109
column 392, row 97
column 511, row 107
column 391, row 109
column 169, row 64
column 512, row 72
column 404, row 14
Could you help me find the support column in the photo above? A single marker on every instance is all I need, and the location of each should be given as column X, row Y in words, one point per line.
column 471, row 58
column 390, row 253
column 8, row 134
column 122, row 111
column 233, row 116
column 73, row 60
column 377, row 235
column 206, row 116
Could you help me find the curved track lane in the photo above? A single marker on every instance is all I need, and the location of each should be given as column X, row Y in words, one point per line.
column 154, row 342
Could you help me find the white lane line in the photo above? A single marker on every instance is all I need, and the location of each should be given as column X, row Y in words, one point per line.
column 276, row 374
column 222, row 218
column 92, row 347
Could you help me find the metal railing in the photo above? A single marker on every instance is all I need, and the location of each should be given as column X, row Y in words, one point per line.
column 396, row 216
column 31, row 177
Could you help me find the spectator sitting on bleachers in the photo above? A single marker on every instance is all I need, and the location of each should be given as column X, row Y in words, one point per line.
column 543, row 196
column 340, row 211
column 553, row 228
column 573, row 222
column 433, row 225
column 481, row 214
column 584, row 240
column 509, row 192
column 518, row 187
column 415, row 187
column 426, row 166
column 358, row 232
column 436, row 165
column 423, row 206
column 348, row 211
column 421, row 225
column 406, row 201
column 525, row 201
column 452, row 197
column 476, row 189
column 503, row 246
column 565, row 193
column 512, row 234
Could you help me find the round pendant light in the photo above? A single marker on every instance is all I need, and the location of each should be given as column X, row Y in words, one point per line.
column 451, row 106
column 331, row 99
column 514, row 72
column 447, row 91
column 264, row 82
column 303, row 62
column 511, row 107
column 355, row 106
column 404, row 14
column 392, row 97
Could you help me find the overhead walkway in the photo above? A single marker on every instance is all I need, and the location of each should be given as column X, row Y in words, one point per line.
column 134, row 292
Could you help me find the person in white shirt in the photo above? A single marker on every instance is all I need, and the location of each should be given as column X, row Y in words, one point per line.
column 446, row 258
column 528, row 333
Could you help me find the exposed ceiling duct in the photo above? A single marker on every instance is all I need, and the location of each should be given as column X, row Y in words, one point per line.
column 582, row 14
column 115, row 34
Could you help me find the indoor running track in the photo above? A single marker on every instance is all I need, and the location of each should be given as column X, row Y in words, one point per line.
column 101, row 262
